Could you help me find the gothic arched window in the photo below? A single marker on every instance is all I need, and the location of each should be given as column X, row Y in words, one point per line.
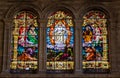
column 95, row 42
column 60, row 42
column 24, row 49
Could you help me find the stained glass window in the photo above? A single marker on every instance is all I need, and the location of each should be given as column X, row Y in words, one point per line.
column 95, row 43
column 24, row 49
column 60, row 42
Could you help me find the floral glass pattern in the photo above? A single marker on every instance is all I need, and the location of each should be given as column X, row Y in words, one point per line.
column 95, row 42
column 60, row 42
column 24, row 49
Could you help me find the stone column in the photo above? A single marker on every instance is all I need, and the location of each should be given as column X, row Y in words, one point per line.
column 42, row 44
column 78, row 44
column 7, row 45
column 1, row 43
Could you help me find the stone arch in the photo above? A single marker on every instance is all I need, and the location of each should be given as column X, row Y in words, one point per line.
column 60, row 7
column 22, row 6
column 8, row 24
column 109, row 16
column 83, row 10
column 67, row 8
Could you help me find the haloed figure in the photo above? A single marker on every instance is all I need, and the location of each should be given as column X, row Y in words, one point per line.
column 28, row 54
column 90, row 53
column 87, row 35
column 97, row 33
column 32, row 33
column 21, row 38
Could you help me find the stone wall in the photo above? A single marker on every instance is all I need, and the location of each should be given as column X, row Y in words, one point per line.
column 43, row 8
